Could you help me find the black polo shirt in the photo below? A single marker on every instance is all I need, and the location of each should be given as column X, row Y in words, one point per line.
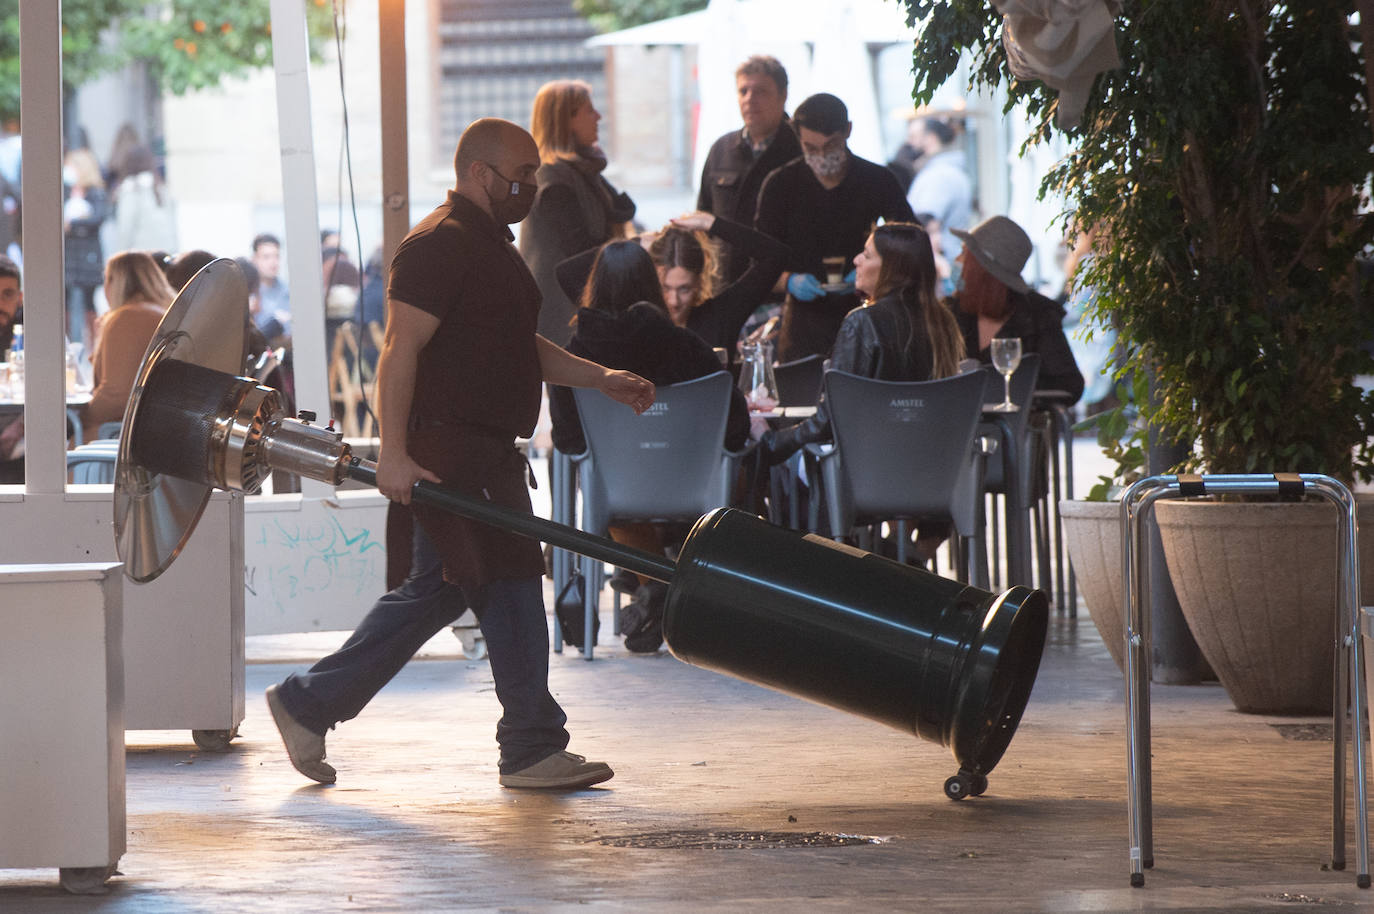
column 816, row 223
column 481, row 366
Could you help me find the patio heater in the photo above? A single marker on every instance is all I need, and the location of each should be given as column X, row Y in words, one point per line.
column 950, row 663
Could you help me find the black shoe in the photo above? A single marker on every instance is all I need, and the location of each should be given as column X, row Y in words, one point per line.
column 642, row 620
column 626, row 582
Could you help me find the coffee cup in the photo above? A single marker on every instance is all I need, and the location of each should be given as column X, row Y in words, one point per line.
column 834, row 271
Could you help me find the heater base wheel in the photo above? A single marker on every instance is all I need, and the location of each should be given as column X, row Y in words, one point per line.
column 214, row 740
column 966, row 784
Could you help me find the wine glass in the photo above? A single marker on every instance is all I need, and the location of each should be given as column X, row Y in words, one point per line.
column 1006, row 355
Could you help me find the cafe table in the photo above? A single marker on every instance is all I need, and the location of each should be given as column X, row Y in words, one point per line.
column 11, row 407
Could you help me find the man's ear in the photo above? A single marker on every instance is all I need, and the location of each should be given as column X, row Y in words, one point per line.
column 477, row 171
column 848, row 129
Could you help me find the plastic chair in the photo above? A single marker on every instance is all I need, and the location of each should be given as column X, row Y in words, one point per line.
column 905, row 451
column 1033, row 482
column 668, row 464
column 109, row 430
column 799, row 381
column 93, row 462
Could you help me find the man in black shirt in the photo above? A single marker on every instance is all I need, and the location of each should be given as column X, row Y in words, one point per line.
column 459, row 379
column 823, row 206
column 740, row 160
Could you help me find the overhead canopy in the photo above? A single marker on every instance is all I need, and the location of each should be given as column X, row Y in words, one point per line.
column 771, row 22
column 824, row 44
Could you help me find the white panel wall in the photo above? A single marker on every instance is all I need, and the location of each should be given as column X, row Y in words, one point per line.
column 183, row 632
column 62, row 797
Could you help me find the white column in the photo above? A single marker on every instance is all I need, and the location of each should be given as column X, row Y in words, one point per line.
column 40, row 69
column 291, row 61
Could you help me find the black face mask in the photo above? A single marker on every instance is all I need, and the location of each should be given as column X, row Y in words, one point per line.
column 517, row 202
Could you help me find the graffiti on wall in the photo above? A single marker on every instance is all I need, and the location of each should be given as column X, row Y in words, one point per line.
column 295, row 561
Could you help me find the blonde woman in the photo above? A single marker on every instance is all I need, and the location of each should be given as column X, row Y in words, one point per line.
column 138, row 294
column 83, row 213
column 575, row 207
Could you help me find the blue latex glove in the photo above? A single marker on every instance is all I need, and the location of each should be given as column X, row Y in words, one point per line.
column 850, row 277
column 804, row 287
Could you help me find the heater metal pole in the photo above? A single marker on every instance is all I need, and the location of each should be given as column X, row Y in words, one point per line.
column 657, row 567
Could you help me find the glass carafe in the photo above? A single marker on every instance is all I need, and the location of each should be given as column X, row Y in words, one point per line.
column 756, row 376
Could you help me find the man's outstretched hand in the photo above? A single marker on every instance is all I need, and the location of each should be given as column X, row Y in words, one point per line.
column 628, row 388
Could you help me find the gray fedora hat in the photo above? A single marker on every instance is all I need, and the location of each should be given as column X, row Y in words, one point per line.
column 1002, row 247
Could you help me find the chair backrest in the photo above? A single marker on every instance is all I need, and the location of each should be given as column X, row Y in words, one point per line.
column 799, row 381
column 666, row 464
column 110, row 430
column 903, row 447
column 94, row 462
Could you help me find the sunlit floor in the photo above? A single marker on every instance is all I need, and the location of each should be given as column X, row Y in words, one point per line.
column 727, row 797
column 418, row 822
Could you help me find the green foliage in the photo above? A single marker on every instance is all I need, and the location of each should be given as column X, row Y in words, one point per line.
column 187, row 44
column 1224, row 163
column 610, row 15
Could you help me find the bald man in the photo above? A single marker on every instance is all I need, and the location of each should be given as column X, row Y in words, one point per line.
column 459, row 380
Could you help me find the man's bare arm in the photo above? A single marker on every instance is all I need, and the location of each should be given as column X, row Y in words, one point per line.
column 565, row 369
column 408, row 329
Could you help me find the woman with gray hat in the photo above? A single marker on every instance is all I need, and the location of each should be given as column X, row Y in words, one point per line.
column 994, row 301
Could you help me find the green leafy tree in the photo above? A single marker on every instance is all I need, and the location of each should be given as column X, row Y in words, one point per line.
column 186, row 44
column 610, row 15
column 1224, row 164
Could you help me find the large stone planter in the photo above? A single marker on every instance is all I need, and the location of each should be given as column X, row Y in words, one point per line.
column 1257, row 585
column 1092, row 537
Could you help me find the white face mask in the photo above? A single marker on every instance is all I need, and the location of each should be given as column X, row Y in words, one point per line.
column 828, row 165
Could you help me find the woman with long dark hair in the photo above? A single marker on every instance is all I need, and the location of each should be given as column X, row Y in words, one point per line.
column 623, row 324
column 903, row 333
column 687, row 256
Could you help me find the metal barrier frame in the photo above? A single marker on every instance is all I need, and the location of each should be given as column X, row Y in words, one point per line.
column 1349, row 687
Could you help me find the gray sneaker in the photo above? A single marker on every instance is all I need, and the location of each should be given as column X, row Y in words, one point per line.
column 304, row 747
column 560, row 771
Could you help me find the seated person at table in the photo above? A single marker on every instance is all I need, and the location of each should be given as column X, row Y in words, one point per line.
column 994, row 301
column 685, row 255
column 623, row 324
column 138, row 293
column 11, row 427
column 904, row 333
column 822, row 205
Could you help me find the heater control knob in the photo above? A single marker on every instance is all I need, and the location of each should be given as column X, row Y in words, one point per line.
column 306, row 415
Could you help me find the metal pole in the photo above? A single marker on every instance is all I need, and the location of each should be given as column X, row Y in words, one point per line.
column 1349, row 699
column 638, row 561
column 391, row 21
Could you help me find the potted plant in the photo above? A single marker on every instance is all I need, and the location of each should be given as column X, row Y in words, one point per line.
column 1092, row 525
column 1225, row 160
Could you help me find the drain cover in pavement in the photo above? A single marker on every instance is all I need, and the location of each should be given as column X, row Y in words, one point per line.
column 734, row 840
column 1305, row 733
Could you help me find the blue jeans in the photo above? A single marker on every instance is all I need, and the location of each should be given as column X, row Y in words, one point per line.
column 511, row 615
